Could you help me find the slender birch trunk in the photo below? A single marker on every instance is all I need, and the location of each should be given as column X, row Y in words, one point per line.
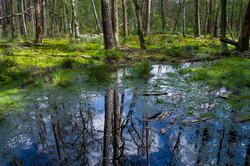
column 76, row 27
column 24, row 24
column 20, row 17
column 69, row 20
column 177, row 19
column 148, row 12
column 44, row 25
column 96, row 17
column 125, row 23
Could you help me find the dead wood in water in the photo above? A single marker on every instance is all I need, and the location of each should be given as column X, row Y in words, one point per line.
column 149, row 93
column 154, row 115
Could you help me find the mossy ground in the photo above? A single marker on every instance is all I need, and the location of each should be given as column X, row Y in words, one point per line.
column 15, row 86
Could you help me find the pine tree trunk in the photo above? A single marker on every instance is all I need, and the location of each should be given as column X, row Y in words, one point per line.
column 184, row 19
column 38, row 23
column 217, row 21
column 53, row 20
column 239, row 23
column 209, row 16
column 125, row 23
column 20, row 17
column 64, row 20
column 96, row 17
column 223, row 47
column 76, row 27
column 13, row 25
column 139, row 26
column 197, row 19
column 243, row 41
column 115, row 20
column 177, row 19
column 5, row 28
column 107, row 123
column 162, row 15
column 147, row 29
column 107, row 26
column 44, row 25
column 206, row 19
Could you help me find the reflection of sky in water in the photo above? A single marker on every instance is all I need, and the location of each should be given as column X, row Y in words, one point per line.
column 190, row 143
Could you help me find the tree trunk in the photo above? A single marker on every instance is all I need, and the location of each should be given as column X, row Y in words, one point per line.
column 217, row 21
column 177, row 19
column 230, row 31
column 239, row 23
column 69, row 20
column 147, row 143
column 44, row 25
column 96, row 17
column 223, row 47
column 162, row 15
column 115, row 20
column 206, row 19
column 116, row 126
column 139, row 26
column 125, row 24
column 107, row 123
column 24, row 24
column 184, row 19
column 232, row 14
column 197, row 19
column 38, row 23
column 13, row 25
column 209, row 16
column 5, row 28
column 53, row 20
column 148, row 12
column 107, row 26
column 32, row 17
column 64, row 20
column 243, row 41
column 76, row 27
column 20, row 17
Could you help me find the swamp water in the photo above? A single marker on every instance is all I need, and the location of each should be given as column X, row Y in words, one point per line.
column 185, row 124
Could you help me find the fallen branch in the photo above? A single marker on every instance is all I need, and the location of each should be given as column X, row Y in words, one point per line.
column 148, row 93
column 232, row 42
column 18, row 14
column 154, row 115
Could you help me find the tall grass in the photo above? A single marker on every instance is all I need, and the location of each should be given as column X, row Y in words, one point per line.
column 98, row 73
column 142, row 70
column 61, row 79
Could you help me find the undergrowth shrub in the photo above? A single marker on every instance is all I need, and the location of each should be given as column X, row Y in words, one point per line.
column 98, row 73
column 60, row 78
column 142, row 70
column 150, row 40
column 184, row 71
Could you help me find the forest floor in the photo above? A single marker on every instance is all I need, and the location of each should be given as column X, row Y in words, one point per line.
column 25, row 66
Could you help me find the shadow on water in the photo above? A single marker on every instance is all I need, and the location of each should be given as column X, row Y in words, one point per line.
column 163, row 121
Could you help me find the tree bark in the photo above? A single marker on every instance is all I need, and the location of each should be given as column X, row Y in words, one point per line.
column 115, row 20
column 217, row 20
column 232, row 14
column 13, row 25
column 206, row 19
column 243, row 41
column 107, row 26
column 107, row 124
column 20, row 17
column 184, row 19
column 32, row 17
column 197, row 19
column 223, row 47
column 24, row 24
column 177, row 19
column 239, row 23
column 96, row 17
column 69, row 20
column 139, row 26
column 64, row 20
column 38, row 23
column 5, row 28
column 148, row 12
column 162, row 15
column 44, row 25
column 209, row 16
column 74, row 16
column 53, row 20
column 125, row 23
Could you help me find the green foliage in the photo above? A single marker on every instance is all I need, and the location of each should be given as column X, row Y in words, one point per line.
column 9, row 63
column 150, row 40
column 61, row 79
column 142, row 69
column 67, row 63
column 201, row 74
column 184, row 71
column 98, row 73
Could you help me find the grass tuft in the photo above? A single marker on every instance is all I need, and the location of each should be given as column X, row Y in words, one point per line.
column 142, row 70
column 61, row 79
column 98, row 73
